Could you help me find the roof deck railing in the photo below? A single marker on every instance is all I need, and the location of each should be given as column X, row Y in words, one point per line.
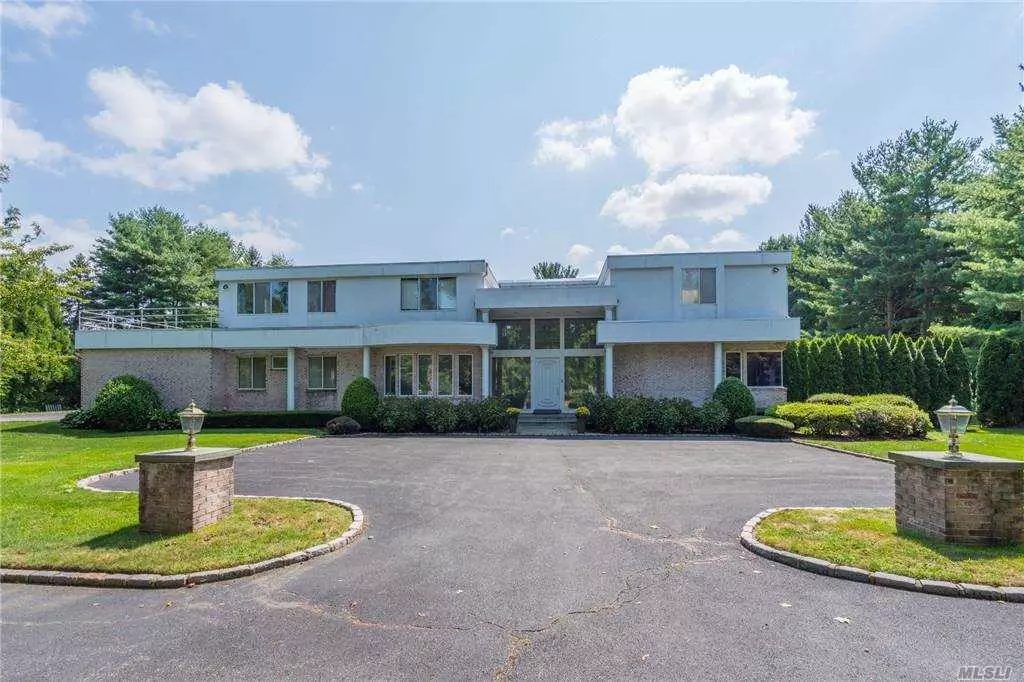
column 148, row 318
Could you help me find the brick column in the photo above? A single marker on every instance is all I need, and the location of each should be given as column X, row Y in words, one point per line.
column 973, row 499
column 183, row 491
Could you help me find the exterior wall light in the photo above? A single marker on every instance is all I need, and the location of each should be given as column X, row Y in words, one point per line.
column 953, row 420
column 191, row 423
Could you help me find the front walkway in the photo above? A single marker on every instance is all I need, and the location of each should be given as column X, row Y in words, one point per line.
column 526, row 558
column 33, row 416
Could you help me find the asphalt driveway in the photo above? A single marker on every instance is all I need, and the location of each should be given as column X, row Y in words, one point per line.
column 533, row 559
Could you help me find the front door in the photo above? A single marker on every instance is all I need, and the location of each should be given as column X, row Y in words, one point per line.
column 546, row 384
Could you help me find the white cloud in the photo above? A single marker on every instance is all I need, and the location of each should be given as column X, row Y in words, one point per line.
column 507, row 232
column 50, row 19
column 267, row 233
column 712, row 123
column 705, row 197
column 576, row 144
column 143, row 23
column 24, row 144
column 669, row 243
column 175, row 141
column 827, row 154
column 730, row 240
column 578, row 253
column 75, row 233
column 357, row 187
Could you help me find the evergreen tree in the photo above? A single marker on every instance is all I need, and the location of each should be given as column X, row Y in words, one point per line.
column 793, row 372
column 922, row 377
column 853, row 367
column 1000, row 399
column 869, row 359
column 830, row 366
column 938, row 382
column 550, row 270
column 809, row 354
column 902, row 380
column 884, row 357
column 958, row 373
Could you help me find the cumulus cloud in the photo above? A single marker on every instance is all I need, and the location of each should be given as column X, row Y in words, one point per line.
column 76, row 233
column 357, row 187
column 24, row 144
column 578, row 253
column 670, row 243
column 176, row 141
column 712, row 123
column 705, row 197
column 574, row 144
column 143, row 23
column 730, row 240
column 507, row 232
column 267, row 233
column 49, row 19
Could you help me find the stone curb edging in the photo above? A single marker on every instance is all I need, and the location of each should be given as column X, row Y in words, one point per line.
column 805, row 563
column 155, row 580
column 841, row 451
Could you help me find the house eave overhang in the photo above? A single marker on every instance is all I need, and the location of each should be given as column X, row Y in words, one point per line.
column 699, row 330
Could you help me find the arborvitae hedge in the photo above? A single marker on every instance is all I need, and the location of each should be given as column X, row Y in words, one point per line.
column 829, row 371
column 1001, row 382
column 958, row 374
column 937, row 379
column 922, row 378
column 901, row 373
column 869, row 362
column 853, row 371
column 793, row 372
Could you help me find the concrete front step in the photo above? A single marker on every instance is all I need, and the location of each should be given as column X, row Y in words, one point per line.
column 546, row 424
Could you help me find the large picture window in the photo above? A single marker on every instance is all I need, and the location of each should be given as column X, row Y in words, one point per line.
column 698, row 285
column 465, row 374
column 322, row 374
column 262, row 298
column 511, row 380
column 583, row 375
column 425, row 378
column 252, row 373
column 547, row 334
column 513, row 334
column 580, row 333
column 320, row 296
column 445, row 374
column 764, row 368
column 428, row 293
column 734, row 364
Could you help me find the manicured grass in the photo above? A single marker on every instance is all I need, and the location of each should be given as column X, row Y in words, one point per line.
column 867, row 538
column 1008, row 443
column 47, row 522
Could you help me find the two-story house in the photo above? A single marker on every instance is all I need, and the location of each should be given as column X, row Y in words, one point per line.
column 293, row 338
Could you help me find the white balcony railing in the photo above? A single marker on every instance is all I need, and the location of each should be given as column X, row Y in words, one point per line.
column 148, row 318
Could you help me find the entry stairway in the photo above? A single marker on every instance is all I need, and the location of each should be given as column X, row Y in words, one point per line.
column 546, row 424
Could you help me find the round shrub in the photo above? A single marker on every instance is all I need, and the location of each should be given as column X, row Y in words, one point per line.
column 764, row 427
column 342, row 425
column 360, row 401
column 872, row 420
column 126, row 403
column 885, row 399
column 831, row 398
column 713, row 417
column 736, row 398
column 441, row 416
column 664, row 417
column 821, row 419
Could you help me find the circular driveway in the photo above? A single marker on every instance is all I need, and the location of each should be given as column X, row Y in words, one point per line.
column 526, row 558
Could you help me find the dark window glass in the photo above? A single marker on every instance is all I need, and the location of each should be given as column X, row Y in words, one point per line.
column 329, row 296
column 278, row 297
column 245, row 301
column 261, row 296
column 707, row 285
column 330, row 372
column 513, row 334
column 764, row 369
column 446, row 293
column 315, row 372
column 691, row 286
column 259, row 373
column 547, row 334
column 583, row 376
column 732, row 365
column 444, row 374
column 245, row 372
column 404, row 375
column 510, row 379
column 389, row 374
column 426, row 379
column 314, row 297
column 465, row 375
column 428, row 293
column 580, row 333
column 410, row 294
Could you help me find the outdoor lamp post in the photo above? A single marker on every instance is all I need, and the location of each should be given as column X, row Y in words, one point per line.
column 953, row 420
column 191, row 423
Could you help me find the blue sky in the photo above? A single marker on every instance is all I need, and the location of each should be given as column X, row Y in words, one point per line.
column 511, row 132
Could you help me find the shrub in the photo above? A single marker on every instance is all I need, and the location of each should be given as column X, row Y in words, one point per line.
column 632, row 414
column 664, row 417
column 581, row 411
column 821, row 419
column 441, row 416
column 829, row 368
column 1000, row 378
column 296, row 419
column 885, row 399
column 713, row 417
column 736, row 397
column 126, row 403
column 793, row 377
column 907, row 421
column 902, row 379
column 689, row 415
column 872, row 420
column 398, row 415
column 958, row 374
column 467, row 414
column 764, row 427
column 342, row 425
column 492, row 414
column 80, row 419
column 602, row 413
column 360, row 401
column 831, row 398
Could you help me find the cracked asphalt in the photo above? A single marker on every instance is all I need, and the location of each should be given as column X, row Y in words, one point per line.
column 525, row 559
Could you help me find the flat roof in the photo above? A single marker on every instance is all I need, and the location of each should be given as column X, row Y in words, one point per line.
column 448, row 267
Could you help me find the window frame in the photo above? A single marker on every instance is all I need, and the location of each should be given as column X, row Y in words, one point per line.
column 744, row 365
column 453, row 379
column 251, row 359
column 700, row 286
column 457, row 375
column 274, row 367
column 323, row 374
column 322, row 285
column 276, row 291
column 420, row 292
column 418, row 377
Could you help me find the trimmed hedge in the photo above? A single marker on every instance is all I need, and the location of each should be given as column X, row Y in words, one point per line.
column 736, row 398
column 635, row 414
column 361, row 401
column 831, row 398
column 440, row 415
column 877, row 416
column 297, row 419
column 764, row 427
column 713, row 417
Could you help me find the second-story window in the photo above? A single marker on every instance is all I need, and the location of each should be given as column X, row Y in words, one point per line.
column 428, row 293
column 698, row 285
column 262, row 298
column 320, row 296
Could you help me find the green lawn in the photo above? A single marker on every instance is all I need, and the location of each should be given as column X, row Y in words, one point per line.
column 1008, row 443
column 867, row 538
column 47, row 522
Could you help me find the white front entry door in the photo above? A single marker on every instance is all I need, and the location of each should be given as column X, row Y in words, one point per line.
column 546, row 384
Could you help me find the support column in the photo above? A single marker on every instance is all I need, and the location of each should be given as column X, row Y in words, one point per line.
column 609, row 313
column 485, row 371
column 718, row 363
column 485, row 314
column 609, row 370
column 290, row 381
column 366, row 362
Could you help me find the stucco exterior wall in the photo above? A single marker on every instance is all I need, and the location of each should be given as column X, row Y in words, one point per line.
column 179, row 376
column 666, row 370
